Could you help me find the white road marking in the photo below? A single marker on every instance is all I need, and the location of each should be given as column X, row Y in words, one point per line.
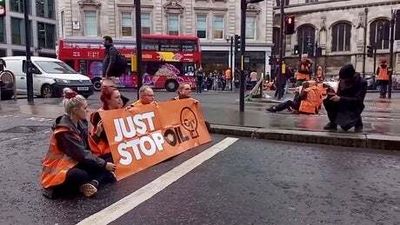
column 131, row 201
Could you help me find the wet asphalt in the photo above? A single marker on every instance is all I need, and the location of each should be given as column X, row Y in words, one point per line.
column 251, row 182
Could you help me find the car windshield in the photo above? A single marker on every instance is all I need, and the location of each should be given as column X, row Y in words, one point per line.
column 55, row 67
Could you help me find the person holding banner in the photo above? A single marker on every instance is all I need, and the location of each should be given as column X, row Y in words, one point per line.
column 111, row 99
column 146, row 96
column 184, row 91
column 69, row 166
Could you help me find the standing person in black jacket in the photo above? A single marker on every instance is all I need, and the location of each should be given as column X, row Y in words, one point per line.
column 110, row 57
column 345, row 107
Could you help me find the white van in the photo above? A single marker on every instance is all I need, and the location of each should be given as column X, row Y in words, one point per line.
column 50, row 76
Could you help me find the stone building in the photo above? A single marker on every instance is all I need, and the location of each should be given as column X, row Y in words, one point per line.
column 42, row 16
column 213, row 21
column 338, row 27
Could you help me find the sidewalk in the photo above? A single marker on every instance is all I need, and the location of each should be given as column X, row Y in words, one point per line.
column 381, row 119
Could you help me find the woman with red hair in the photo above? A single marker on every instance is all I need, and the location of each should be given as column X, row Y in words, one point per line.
column 111, row 99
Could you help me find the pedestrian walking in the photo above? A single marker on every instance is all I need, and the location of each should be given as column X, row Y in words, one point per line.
column 199, row 79
column 344, row 107
column 383, row 78
column 114, row 64
column 228, row 78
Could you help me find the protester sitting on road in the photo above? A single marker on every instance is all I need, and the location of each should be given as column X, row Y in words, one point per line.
column 345, row 107
column 111, row 99
column 146, row 96
column 185, row 92
column 307, row 100
column 69, row 165
column 110, row 83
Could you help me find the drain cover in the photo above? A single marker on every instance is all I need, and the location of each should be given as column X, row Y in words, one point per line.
column 25, row 129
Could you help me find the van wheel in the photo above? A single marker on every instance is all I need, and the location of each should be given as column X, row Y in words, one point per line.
column 96, row 83
column 46, row 91
column 171, row 85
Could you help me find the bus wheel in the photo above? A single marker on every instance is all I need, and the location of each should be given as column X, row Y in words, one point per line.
column 96, row 83
column 171, row 85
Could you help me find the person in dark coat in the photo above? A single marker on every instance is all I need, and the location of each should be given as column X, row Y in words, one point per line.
column 110, row 59
column 345, row 107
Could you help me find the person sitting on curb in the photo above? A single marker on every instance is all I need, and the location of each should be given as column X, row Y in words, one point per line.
column 345, row 107
column 69, row 166
column 111, row 99
column 146, row 96
column 307, row 100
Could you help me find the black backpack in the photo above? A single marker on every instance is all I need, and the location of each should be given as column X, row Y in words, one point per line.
column 120, row 65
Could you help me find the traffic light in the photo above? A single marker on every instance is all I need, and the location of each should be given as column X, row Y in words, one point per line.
column 237, row 43
column 370, row 51
column 270, row 61
column 296, row 50
column 2, row 8
column 289, row 25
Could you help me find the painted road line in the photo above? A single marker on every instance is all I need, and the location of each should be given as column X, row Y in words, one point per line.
column 131, row 201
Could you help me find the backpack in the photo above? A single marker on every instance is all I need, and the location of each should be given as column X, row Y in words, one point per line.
column 120, row 65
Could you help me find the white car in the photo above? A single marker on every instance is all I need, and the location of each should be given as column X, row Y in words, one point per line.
column 50, row 76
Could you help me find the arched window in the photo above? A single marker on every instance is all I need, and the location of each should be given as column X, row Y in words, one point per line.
column 306, row 39
column 341, row 35
column 380, row 33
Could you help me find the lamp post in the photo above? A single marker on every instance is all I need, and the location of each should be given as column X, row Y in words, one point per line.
column 230, row 38
column 138, row 45
column 365, row 40
column 391, row 53
column 243, row 8
column 29, row 77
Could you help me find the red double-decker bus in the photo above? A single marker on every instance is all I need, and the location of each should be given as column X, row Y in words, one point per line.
column 168, row 60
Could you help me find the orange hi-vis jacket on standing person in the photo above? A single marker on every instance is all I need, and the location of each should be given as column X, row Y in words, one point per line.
column 56, row 163
column 228, row 74
column 383, row 73
column 312, row 102
column 98, row 145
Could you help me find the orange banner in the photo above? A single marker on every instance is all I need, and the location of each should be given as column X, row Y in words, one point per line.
column 144, row 136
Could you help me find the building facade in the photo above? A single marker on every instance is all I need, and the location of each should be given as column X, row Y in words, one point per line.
column 341, row 28
column 42, row 21
column 213, row 21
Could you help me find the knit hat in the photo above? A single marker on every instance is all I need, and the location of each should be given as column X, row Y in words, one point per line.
column 347, row 71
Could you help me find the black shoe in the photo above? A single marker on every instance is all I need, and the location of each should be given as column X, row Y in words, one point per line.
column 271, row 109
column 346, row 128
column 330, row 126
column 358, row 129
column 49, row 193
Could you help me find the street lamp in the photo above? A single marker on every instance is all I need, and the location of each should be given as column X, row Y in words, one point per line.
column 138, row 45
column 243, row 8
column 231, row 67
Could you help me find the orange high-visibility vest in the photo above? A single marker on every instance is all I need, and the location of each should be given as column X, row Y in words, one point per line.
column 383, row 73
column 312, row 102
column 56, row 163
column 228, row 74
column 302, row 76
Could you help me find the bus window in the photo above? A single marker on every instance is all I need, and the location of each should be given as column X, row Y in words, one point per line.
column 188, row 46
column 170, row 46
column 150, row 45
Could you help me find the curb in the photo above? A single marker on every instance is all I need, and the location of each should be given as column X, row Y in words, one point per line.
column 373, row 141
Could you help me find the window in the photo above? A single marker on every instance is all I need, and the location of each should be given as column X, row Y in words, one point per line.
column 90, row 23
column 126, row 24
column 341, row 35
column 46, row 35
column 397, row 26
column 306, row 39
column 201, row 25
column 45, row 8
column 380, row 33
column 278, row 2
column 173, row 24
column 2, row 30
column 250, row 27
column 18, row 31
column 276, row 40
column 55, row 67
column 18, row 6
column 218, row 27
column 311, row 1
column 146, row 23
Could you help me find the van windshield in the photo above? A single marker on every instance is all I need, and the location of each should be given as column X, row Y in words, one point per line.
column 55, row 67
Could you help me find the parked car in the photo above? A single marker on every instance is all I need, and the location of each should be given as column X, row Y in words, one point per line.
column 6, row 85
column 50, row 76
